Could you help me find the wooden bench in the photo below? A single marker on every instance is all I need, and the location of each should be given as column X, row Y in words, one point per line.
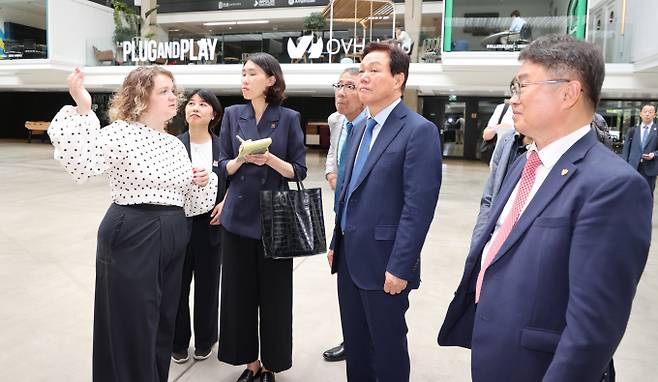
column 38, row 127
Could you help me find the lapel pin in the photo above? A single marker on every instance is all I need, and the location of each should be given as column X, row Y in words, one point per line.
column 564, row 172
column 273, row 125
column 215, row 163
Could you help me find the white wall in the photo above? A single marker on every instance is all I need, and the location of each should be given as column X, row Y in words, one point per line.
column 74, row 26
column 642, row 20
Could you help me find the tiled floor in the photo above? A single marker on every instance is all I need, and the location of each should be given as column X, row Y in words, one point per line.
column 47, row 242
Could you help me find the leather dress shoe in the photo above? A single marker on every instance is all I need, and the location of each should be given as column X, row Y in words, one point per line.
column 267, row 376
column 335, row 354
column 248, row 376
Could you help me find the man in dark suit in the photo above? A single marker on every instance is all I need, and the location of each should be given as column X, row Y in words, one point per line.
column 392, row 181
column 546, row 293
column 641, row 146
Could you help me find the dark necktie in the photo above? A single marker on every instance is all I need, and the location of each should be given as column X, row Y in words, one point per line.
column 342, row 159
column 361, row 157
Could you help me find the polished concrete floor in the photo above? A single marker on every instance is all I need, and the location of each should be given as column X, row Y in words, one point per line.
column 47, row 242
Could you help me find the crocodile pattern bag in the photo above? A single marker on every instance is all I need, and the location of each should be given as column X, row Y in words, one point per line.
column 292, row 222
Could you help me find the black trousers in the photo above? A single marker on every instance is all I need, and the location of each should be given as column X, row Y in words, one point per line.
column 139, row 260
column 203, row 260
column 374, row 330
column 254, row 287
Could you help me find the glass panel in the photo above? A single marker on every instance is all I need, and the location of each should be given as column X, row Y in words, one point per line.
column 430, row 39
column 488, row 25
column 453, row 129
column 621, row 116
column 23, row 30
column 608, row 32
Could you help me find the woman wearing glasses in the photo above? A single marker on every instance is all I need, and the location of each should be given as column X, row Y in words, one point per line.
column 257, row 291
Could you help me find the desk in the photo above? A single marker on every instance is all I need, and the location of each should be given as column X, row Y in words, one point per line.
column 39, row 127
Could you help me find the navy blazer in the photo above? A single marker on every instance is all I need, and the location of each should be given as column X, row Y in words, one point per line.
column 556, row 299
column 241, row 211
column 393, row 202
column 633, row 150
column 221, row 176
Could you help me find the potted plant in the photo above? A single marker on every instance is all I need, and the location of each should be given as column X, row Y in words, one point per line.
column 314, row 22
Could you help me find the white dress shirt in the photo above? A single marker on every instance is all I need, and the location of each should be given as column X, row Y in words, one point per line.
column 142, row 165
column 202, row 155
column 549, row 155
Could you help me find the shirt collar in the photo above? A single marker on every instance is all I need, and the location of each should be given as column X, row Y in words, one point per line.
column 358, row 119
column 550, row 154
column 383, row 115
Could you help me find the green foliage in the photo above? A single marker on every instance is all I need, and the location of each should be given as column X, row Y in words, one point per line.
column 126, row 21
column 315, row 22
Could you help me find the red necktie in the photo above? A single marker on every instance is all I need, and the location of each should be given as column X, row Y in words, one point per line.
column 527, row 180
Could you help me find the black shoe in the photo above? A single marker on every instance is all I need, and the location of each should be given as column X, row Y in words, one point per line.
column 335, row 354
column 267, row 376
column 180, row 357
column 201, row 354
column 248, row 376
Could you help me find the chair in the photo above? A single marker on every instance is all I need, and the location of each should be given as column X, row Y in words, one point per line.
column 105, row 56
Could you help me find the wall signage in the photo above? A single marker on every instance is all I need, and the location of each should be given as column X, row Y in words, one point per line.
column 151, row 50
column 306, row 45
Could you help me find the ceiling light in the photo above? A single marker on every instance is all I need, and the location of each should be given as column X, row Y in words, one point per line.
column 252, row 22
column 174, row 30
column 220, row 23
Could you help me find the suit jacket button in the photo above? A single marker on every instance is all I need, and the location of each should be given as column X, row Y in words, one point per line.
column 262, row 181
column 242, row 177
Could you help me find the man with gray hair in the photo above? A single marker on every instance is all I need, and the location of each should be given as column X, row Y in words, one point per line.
column 350, row 112
column 547, row 288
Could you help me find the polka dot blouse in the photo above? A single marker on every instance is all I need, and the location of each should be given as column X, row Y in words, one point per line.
column 142, row 165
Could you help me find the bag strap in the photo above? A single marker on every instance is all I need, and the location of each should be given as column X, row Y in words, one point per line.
column 300, row 184
column 502, row 114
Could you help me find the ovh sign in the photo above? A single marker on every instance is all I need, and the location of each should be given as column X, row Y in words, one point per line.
column 151, row 50
column 305, row 44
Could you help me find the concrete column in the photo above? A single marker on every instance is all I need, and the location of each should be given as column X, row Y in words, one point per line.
column 149, row 25
column 413, row 10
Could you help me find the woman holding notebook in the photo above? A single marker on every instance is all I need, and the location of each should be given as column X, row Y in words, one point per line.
column 255, row 289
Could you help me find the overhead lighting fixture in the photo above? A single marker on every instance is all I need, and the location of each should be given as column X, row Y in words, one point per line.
column 242, row 22
column 174, row 30
column 252, row 22
column 220, row 23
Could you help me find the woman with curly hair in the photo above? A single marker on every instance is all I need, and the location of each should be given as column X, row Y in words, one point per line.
column 142, row 238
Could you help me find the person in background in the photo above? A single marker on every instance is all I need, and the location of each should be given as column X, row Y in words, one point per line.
column 403, row 38
column 350, row 112
column 641, row 146
column 509, row 147
column 517, row 22
column 256, row 293
column 142, row 238
column 203, row 257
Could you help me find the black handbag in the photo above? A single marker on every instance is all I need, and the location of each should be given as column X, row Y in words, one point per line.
column 292, row 222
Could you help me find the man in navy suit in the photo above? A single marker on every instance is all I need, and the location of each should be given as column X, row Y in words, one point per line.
column 547, row 291
column 386, row 205
column 641, row 146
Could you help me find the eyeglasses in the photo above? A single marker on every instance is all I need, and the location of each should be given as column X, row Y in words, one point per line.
column 516, row 87
column 350, row 87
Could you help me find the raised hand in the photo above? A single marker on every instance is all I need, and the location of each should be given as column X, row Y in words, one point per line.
column 77, row 90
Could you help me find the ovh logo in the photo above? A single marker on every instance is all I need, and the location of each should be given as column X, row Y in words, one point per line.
column 305, row 44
